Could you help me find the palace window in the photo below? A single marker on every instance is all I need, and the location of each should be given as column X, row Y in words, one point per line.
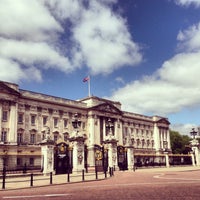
column 65, row 123
column 5, row 116
column 19, row 161
column 44, row 120
column 55, row 122
column 33, row 117
column 143, row 143
column 138, row 142
column 31, row 161
column 32, row 138
column 55, row 136
column 20, row 118
column 66, row 135
column 4, row 136
column 83, row 125
column 19, row 138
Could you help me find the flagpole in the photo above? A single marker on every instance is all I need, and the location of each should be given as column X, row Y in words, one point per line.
column 89, row 94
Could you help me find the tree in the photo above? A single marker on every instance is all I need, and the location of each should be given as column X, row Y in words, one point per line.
column 179, row 143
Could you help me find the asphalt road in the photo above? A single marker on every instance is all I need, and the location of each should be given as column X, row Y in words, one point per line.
column 144, row 185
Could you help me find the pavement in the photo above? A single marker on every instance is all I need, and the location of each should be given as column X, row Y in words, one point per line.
column 40, row 180
column 19, row 181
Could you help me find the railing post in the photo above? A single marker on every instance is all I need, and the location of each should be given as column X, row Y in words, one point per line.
column 96, row 173
column 4, row 178
column 110, row 172
column 51, row 178
column 68, row 176
column 83, row 175
column 24, row 169
column 31, row 183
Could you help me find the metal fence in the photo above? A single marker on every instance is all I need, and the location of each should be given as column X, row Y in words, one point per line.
column 36, row 179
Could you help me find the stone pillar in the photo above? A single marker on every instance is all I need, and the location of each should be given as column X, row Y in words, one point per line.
column 156, row 137
column 167, row 159
column 47, row 148
column 78, row 154
column 110, row 155
column 193, row 160
column 0, row 115
column 12, row 136
column 91, row 157
column 196, row 155
column 130, row 158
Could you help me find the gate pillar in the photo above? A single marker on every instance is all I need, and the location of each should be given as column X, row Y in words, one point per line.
column 130, row 158
column 78, row 154
column 91, row 156
column 166, row 159
column 112, row 154
column 47, row 161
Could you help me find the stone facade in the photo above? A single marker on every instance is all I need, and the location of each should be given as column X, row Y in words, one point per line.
column 28, row 118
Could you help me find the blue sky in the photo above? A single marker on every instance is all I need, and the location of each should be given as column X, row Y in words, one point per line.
column 143, row 53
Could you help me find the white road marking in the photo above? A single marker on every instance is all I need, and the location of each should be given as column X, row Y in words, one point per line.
column 162, row 176
column 34, row 196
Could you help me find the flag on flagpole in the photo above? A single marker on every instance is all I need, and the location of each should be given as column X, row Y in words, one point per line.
column 87, row 78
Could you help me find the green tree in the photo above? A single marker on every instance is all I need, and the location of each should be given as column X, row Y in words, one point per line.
column 179, row 143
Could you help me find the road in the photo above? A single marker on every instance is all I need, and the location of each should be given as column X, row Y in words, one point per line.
column 140, row 185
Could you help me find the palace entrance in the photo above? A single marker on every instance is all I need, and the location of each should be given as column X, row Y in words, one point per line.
column 63, row 159
column 122, row 158
column 101, row 158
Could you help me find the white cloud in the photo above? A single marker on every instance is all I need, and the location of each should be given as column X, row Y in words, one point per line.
column 26, row 20
column 183, row 129
column 11, row 71
column 32, row 53
column 64, row 35
column 119, row 80
column 190, row 38
column 171, row 88
column 104, row 40
column 188, row 2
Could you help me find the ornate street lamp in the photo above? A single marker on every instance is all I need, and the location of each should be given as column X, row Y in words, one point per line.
column 193, row 133
column 110, row 126
column 76, row 123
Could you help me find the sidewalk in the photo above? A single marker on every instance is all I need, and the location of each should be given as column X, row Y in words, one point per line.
column 168, row 169
column 24, row 181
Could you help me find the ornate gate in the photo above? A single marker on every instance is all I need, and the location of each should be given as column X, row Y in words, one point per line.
column 122, row 158
column 101, row 158
column 63, row 159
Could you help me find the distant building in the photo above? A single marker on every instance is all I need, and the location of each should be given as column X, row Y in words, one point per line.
column 87, row 133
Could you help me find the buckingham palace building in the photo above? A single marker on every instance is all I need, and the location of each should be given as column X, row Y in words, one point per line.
column 41, row 131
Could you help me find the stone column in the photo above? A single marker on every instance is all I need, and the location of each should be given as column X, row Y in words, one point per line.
column 47, row 148
column 0, row 115
column 196, row 154
column 167, row 159
column 91, row 124
column 193, row 160
column 110, row 155
column 78, row 154
column 156, row 137
column 12, row 136
column 130, row 158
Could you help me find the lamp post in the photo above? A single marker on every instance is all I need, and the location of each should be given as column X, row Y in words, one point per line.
column 193, row 133
column 195, row 145
column 110, row 126
column 76, row 123
column 78, row 138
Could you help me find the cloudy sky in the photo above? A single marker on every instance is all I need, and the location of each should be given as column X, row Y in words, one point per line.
column 145, row 54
